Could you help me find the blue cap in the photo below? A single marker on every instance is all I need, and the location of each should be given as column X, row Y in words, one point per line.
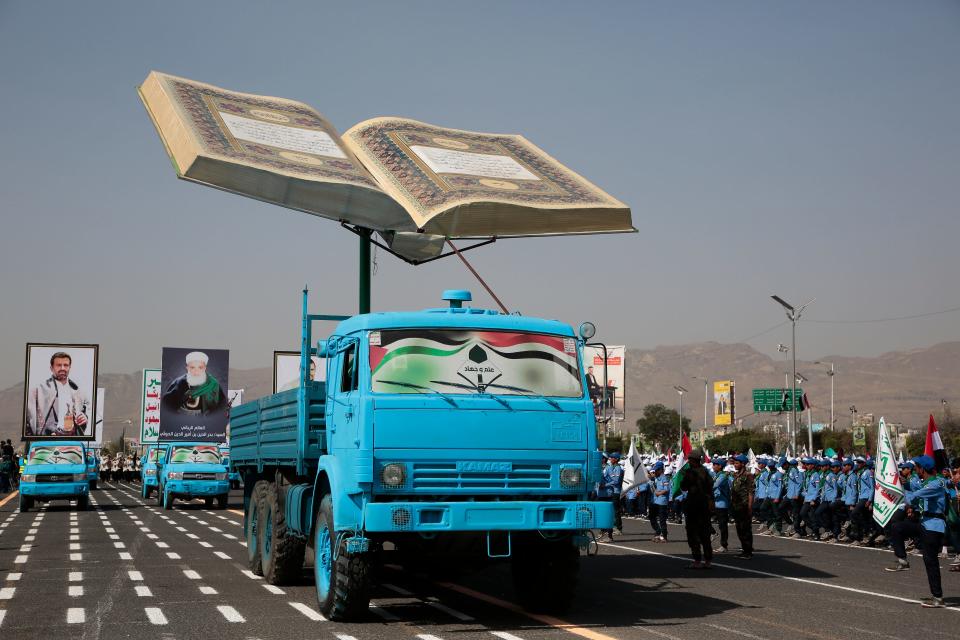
column 783, row 460
column 809, row 461
column 719, row 461
column 848, row 461
column 658, row 466
column 834, row 463
column 741, row 458
column 762, row 460
column 615, row 455
column 906, row 465
column 925, row 462
column 870, row 464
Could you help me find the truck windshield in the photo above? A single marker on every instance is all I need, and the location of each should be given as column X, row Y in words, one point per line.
column 68, row 454
column 157, row 455
column 197, row 453
column 457, row 361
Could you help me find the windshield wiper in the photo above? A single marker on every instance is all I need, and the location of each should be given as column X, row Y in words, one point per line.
column 421, row 389
column 472, row 387
column 531, row 393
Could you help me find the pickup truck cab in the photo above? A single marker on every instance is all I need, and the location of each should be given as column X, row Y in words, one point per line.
column 193, row 470
column 55, row 471
column 93, row 469
column 151, row 466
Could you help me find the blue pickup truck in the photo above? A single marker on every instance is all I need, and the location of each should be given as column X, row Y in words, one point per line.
column 151, row 466
column 93, row 468
column 449, row 432
column 55, row 471
column 234, row 475
column 193, row 470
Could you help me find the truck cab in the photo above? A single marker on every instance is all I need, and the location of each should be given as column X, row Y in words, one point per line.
column 233, row 475
column 439, row 435
column 193, row 470
column 55, row 471
column 93, row 469
column 151, row 466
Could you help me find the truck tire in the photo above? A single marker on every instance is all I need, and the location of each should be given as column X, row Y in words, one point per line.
column 83, row 502
column 208, row 502
column 281, row 555
column 545, row 573
column 145, row 492
column 167, row 500
column 343, row 582
column 253, row 523
column 222, row 502
column 26, row 503
column 93, row 484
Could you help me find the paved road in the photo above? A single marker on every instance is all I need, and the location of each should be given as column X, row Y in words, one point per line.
column 125, row 569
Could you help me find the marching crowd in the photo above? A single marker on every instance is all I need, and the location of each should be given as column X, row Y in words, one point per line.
column 828, row 499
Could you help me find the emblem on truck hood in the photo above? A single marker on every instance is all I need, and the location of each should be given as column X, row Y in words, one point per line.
column 484, row 466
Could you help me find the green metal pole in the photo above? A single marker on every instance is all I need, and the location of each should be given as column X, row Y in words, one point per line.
column 364, row 279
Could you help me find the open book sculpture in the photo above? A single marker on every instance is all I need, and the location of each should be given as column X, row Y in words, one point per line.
column 414, row 183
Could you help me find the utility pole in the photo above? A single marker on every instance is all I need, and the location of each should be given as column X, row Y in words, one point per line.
column 831, row 373
column 705, row 400
column 793, row 315
column 681, row 391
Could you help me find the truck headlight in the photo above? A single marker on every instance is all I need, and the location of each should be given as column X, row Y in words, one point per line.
column 79, row 477
column 393, row 475
column 175, row 475
column 28, row 477
column 150, row 472
column 222, row 476
column 571, row 476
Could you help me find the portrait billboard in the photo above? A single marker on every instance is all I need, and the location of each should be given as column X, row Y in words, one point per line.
column 194, row 404
column 150, row 406
column 616, row 377
column 723, row 400
column 60, row 391
column 286, row 370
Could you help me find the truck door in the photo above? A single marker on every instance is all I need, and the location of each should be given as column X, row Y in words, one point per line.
column 345, row 396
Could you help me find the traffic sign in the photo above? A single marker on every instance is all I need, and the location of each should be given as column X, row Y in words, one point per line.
column 775, row 400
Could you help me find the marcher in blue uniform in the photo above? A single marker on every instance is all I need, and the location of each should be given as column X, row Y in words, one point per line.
column 610, row 485
column 828, row 496
column 930, row 501
column 660, row 490
column 721, row 501
column 862, row 518
column 810, row 496
column 790, row 506
column 775, row 491
column 760, row 493
column 851, row 489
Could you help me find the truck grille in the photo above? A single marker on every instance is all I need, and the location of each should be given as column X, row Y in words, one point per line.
column 52, row 477
column 444, row 476
column 199, row 476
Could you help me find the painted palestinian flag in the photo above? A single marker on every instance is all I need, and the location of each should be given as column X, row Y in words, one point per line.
column 934, row 446
column 681, row 467
column 457, row 361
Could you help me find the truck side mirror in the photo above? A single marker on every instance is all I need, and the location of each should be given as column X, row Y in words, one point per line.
column 322, row 349
column 587, row 330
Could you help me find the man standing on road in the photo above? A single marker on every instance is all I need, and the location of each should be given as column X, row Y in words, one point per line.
column 721, row 502
column 760, row 492
column 775, row 498
column 931, row 502
column 823, row 518
column 741, row 505
column 861, row 518
column 659, row 501
column 790, row 506
column 698, row 504
column 851, row 488
column 610, row 484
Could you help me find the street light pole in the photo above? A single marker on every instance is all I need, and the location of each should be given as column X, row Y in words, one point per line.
column 830, row 373
column 681, row 391
column 705, row 401
column 793, row 315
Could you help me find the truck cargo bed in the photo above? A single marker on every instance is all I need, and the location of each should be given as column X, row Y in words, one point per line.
column 266, row 432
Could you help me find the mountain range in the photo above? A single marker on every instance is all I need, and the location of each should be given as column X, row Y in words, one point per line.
column 903, row 386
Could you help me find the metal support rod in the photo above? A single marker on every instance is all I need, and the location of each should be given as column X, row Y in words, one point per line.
column 481, row 281
column 363, row 280
column 793, row 399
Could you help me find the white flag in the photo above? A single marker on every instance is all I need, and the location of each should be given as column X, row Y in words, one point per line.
column 888, row 491
column 634, row 473
column 751, row 460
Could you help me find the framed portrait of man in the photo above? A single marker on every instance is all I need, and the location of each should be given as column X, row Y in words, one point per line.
column 60, row 392
column 194, row 403
column 286, row 370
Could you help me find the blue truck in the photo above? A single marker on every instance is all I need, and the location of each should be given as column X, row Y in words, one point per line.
column 55, row 470
column 193, row 470
column 449, row 432
column 151, row 465
column 93, row 468
column 234, row 475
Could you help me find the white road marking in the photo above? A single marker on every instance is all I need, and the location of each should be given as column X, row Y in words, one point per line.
column 113, row 536
column 3, row 613
column 76, row 557
column 231, row 614
column 31, row 538
column 125, row 555
column 155, row 615
column 735, row 631
column 204, row 523
column 343, row 636
column 250, row 574
column 191, row 574
column 316, row 616
column 75, row 576
column 74, row 546
column 181, row 530
column 72, row 530
column 229, row 536
column 136, row 576
column 76, row 615
column 7, row 592
column 215, row 530
column 73, row 537
column 152, row 536
column 383, row 613
column 204, row 544
column 25, row 548
column 439, row 606
column 173, row 556
column 162, row 545
column 208, row 591
column 221, row 554
column 109, row 530
column 193, row 536
column 503, row 635
column 427, row 636
column 13, row 577
column 75, row 590
column 119, row 545
column 20, row 560
column 274, row 589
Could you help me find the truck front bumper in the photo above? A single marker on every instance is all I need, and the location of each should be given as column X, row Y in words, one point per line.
column 149, row 481
column 487, row 516
column 196, row 488
column 55, row 490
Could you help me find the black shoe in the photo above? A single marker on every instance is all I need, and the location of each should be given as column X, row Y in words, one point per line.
column 932, row 603
column 744, row 556
column 901, row 565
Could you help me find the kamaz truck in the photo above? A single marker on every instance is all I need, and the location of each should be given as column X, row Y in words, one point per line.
column 446, row 432
column 55, row 471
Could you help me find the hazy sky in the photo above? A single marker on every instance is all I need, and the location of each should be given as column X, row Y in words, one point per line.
column 810, row 149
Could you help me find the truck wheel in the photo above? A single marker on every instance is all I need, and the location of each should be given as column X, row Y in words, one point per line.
column 93, row 484
column 545, row 573
column 167, row 500
column 145, row 492
column 208, row 502
column 280, row 554
column 253, row 523
column 26, row 503
column 343, row 582
column 159, row 495
column 82, row 503
column 222, row 502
